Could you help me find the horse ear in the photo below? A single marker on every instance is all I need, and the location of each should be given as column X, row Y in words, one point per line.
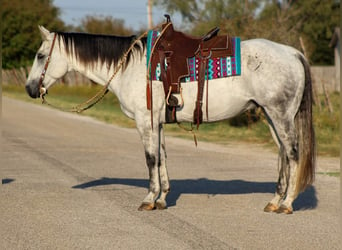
column 44, row 32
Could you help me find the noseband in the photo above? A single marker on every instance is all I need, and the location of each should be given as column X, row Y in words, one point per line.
column 42, row 90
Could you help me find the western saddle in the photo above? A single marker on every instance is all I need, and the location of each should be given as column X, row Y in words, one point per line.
column 172, row 50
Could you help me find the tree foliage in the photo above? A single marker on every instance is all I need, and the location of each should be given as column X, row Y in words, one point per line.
column 284, row 21
column 104, row 25
column 311, row 20
column 20, row 34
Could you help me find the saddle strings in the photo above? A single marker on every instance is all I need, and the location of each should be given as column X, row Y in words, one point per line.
column 189, row 130
column 101, row 94
column 149, row 84
column 148, row 76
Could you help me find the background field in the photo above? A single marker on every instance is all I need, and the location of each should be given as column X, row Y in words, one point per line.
column 250, row 127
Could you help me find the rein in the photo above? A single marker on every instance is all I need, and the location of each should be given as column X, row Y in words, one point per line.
column 98, row 96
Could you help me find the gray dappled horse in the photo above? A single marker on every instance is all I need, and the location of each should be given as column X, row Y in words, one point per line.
column 274, row 77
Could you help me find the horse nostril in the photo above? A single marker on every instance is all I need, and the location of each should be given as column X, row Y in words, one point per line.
column 28, row 89
column 31, row 92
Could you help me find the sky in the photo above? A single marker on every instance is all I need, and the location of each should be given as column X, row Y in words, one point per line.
column 133, row 12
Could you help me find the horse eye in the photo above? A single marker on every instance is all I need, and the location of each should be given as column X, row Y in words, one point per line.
column 40, row 56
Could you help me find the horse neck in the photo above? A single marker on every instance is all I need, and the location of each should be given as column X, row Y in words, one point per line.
column 102, row 74
column 120, row 81
column 97, row 72
column 97, row 56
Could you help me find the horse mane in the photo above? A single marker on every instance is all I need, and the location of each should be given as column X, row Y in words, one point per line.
column 90, row 49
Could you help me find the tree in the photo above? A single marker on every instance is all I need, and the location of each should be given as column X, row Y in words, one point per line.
column 283, row 21
column 206, row 14
column 316, row 21
column 312, row 20
column 188, row 9
column 20, row 34
column 104, row 25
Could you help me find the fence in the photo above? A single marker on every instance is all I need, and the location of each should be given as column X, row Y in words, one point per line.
column 323, row 77
column 18, row 77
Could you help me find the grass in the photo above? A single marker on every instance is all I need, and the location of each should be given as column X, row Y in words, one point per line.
column 327, row 126
column 333, row 174
column 248, row 127
column 107, row 110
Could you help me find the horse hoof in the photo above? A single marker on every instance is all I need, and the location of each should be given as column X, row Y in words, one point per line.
column 271, row 208
column 146, row 207
column 161, row 204
column 284, row 210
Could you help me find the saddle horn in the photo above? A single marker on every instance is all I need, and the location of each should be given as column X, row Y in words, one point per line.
column 168, row 18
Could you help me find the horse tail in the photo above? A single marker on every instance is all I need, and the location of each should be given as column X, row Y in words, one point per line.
column 306, row 134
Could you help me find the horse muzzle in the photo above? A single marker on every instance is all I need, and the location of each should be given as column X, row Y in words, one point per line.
column 33, row 90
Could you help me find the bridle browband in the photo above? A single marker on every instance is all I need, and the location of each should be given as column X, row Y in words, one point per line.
column 42, row 91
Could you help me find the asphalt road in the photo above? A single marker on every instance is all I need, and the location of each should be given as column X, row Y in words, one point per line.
column 70, row 182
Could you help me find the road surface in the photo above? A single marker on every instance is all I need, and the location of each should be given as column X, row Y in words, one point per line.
column 70, row 182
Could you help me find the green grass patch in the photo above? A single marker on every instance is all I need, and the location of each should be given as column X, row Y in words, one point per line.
column 333, row 174
column 249, row 127
column 66, row 97
column 327, row 125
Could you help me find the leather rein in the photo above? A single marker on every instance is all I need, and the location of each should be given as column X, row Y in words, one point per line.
column 98, row 96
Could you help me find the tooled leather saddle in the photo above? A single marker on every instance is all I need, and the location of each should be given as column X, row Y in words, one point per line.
column 171, row 52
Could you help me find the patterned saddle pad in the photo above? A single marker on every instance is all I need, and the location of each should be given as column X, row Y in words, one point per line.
column 217, row 67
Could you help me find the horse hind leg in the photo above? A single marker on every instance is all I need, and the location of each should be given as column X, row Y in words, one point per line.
column 297, row 136
column 286, row 193
column 281, row 188
column 300, row 155
column 291, row 193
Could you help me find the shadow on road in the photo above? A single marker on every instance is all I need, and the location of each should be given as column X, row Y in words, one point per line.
column 6, row 181
column 306, row 200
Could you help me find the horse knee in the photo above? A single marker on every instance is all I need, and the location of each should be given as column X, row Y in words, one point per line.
column 150, row 159
column 153, row 172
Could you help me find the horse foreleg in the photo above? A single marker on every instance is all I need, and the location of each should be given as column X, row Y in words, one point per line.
column 164, row 178
column 154, row 187
column 150, row 139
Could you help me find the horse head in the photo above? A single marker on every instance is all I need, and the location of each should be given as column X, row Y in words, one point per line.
column 49, row 65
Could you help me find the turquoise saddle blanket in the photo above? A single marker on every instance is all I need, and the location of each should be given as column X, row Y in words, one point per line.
column 217, row 67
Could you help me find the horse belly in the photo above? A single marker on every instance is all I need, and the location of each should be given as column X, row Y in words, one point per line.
column 227, row 97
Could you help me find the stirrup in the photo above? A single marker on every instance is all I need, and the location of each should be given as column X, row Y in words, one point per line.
column 181, row 95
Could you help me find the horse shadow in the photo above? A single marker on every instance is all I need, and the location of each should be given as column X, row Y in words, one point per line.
column 6, row 181
column 305, row 200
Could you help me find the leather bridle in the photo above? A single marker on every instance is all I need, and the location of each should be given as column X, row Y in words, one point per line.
column 42, row 90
